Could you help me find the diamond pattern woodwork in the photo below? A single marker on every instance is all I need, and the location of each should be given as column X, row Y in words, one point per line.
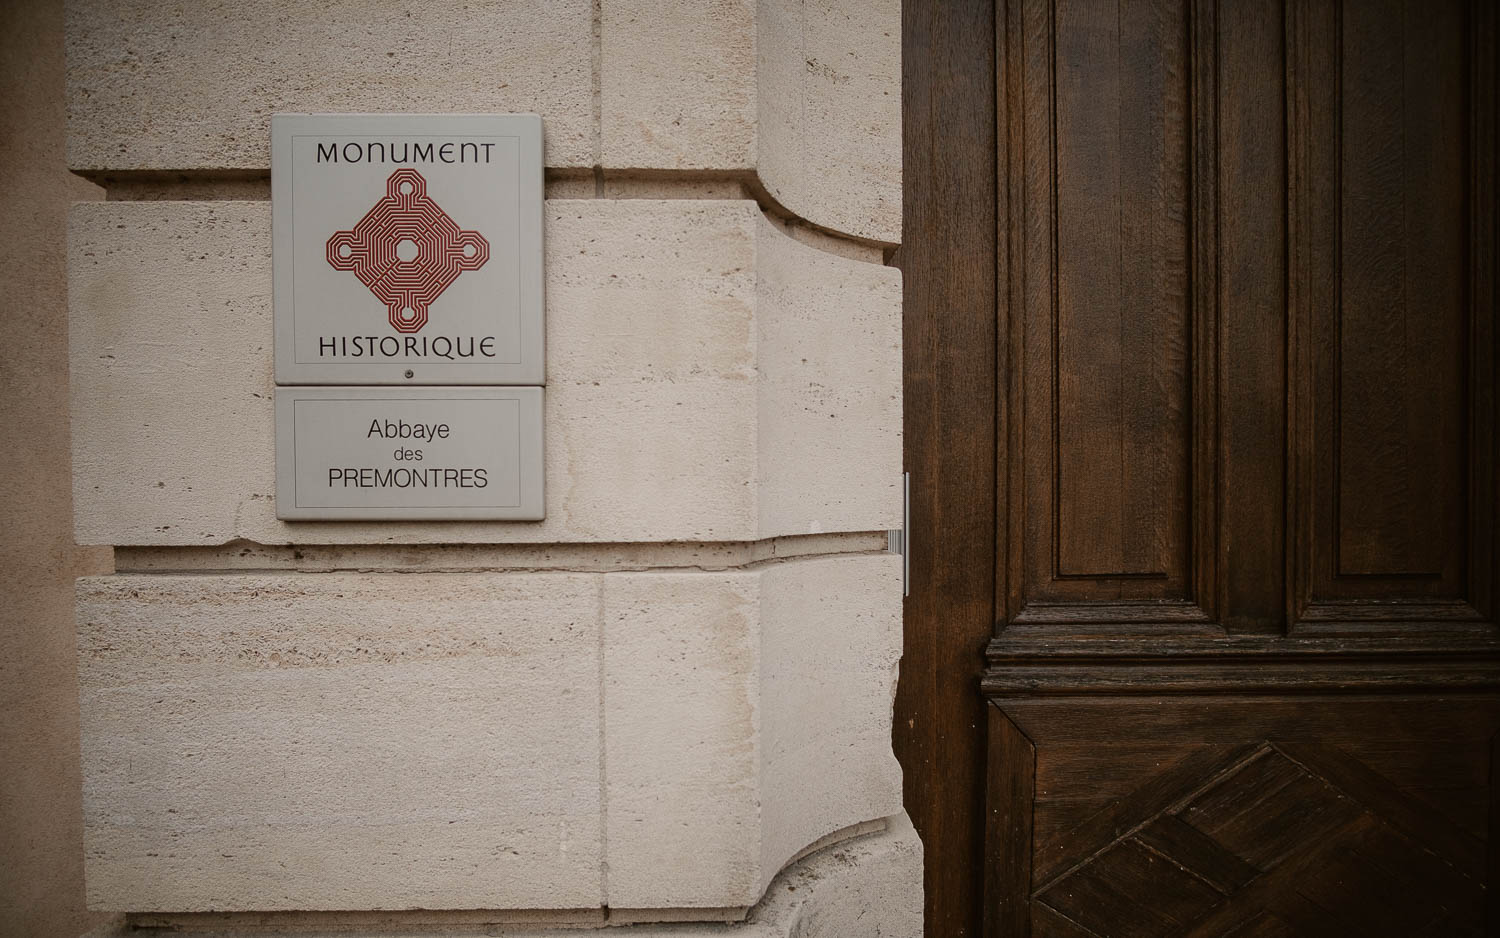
column 1269, row 839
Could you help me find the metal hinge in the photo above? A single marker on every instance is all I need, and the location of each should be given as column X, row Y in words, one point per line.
column 898, row 541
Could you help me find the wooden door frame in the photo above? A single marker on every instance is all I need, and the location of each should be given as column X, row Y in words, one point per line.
column 953, row 204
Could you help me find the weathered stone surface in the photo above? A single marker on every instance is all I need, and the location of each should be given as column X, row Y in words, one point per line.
column 682, row 729
column 193, row 85
column 829, row 100
column 41, row 818
column 806, row 93
column 869, row 886
column 650, row 371
column 701, row 365
column 830, row 643
column 747, row 715
column 677, row 84
column 457, row 741
column 830, row 385
column 384, row 740
column 170, row 368
column 339, row 741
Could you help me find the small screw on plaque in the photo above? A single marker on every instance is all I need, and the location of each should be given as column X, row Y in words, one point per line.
column 409, row 373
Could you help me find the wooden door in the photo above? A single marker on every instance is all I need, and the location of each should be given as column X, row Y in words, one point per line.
column 1201, row 409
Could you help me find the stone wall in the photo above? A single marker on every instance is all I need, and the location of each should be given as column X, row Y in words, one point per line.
column 41, row 824
column 640, row 709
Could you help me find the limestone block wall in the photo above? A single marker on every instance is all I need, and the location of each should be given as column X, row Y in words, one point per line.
column 804, row 94
column 709, row 378
column 41, row 818
column 641, row 709
column 479, row 740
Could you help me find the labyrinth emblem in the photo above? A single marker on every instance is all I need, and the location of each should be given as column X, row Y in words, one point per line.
column 407, row 250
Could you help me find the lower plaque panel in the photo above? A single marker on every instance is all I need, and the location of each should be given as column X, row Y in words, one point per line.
column 419, row 453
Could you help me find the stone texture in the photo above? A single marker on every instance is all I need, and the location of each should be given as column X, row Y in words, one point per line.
column 829, row 101
column 679, row 334
column 737, row 736
column 868, row 886
column 833, row 244
column 443, row 558
column 193, row 85
column 806, row 93
column 677, row 84
column 338, row 741
column 830, row 385
column 681, row 658
column 427, row 740
column 651, row 371
column 830, row 642
column 170, row 348
column 41, row 821
column 651, row 184
column 384, row 740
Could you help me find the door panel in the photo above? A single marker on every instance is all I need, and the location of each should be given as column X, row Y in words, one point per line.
column 1106, row 443
column 1307, row 815
column 1242, row 674
column 1240, row 797
column 1117, row 369
column 1392, row 301
column 1249, row 151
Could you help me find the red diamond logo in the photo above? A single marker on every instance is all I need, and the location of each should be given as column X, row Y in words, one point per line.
column 407, row 250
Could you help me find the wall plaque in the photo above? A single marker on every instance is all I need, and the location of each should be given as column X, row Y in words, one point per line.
column 407, row 249
column 392, row 453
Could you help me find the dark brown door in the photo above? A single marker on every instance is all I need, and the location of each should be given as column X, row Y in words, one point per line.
column 1201, row 425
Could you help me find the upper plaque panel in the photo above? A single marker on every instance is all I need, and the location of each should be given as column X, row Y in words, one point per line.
column 407, row 248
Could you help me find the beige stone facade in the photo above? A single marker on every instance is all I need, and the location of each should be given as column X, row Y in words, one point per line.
column 668, row 702
column 41, row 823
column 710, row 378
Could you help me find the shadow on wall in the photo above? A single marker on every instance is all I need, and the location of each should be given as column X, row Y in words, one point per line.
column 41, row 824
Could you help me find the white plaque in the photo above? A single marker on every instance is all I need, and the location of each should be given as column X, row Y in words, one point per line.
column 391, row 453
column 407, row 248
